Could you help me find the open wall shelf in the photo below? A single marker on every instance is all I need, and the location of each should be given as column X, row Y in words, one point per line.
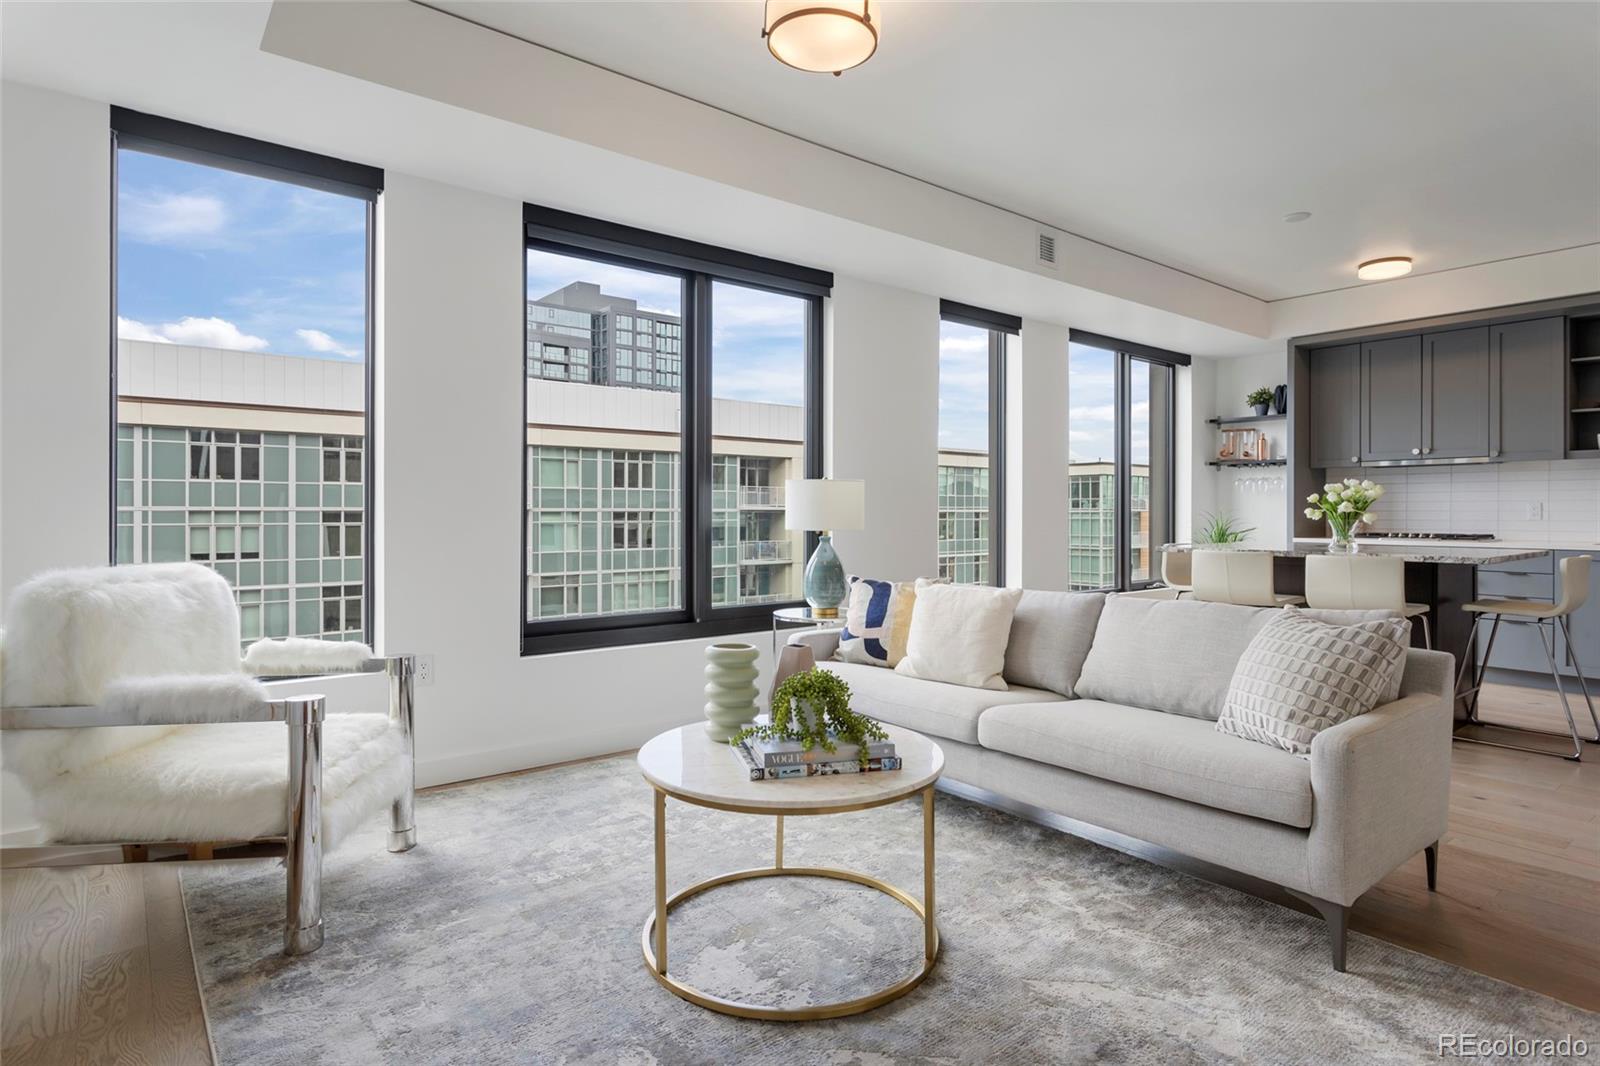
column 1245, row 419
column 1248, row 462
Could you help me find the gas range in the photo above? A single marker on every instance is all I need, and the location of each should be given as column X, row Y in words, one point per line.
column 1405, row 535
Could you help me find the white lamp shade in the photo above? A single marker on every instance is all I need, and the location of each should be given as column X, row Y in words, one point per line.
column 825, row 504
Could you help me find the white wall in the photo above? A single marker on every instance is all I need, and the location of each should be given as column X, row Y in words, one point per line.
column 1036, row 457
column 55, row 205
column 882, row 419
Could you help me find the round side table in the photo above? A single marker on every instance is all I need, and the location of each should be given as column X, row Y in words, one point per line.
column 801, row 616
column 690, row 767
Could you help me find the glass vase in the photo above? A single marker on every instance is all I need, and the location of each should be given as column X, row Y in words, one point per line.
column 1342, row 542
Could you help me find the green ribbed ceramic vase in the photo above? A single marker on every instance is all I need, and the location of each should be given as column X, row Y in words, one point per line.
column 730, row 688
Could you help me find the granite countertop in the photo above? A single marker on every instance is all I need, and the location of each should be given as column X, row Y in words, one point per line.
column 1481, row 553
column 1569, row 544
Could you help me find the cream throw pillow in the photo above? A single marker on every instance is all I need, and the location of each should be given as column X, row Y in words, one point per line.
column 959, row 633
column 1300, row 676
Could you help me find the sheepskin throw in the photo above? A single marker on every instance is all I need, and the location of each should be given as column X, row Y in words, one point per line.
column 297, row 655
column 179, row 700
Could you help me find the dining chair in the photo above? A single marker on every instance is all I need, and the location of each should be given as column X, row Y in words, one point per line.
column 1362, row 583
column 1242, row 577
column 1177, row 569
column 1543, row 614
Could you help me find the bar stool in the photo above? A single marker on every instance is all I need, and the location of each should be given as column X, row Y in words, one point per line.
column 1237, row 577
column 1177, row 570
column 1574, row 592
column 1354, row 583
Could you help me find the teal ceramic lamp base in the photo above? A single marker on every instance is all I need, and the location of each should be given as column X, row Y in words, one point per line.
column 825, row 584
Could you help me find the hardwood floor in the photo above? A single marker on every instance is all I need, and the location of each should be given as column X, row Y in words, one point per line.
column 97, row 968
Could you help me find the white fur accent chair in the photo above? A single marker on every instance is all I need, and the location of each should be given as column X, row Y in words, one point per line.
column 131, row 719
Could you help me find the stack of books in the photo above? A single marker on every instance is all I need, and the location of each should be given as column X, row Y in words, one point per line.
column 780, row 760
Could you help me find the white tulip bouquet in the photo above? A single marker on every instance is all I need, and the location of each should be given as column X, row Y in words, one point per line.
column 1345, row 505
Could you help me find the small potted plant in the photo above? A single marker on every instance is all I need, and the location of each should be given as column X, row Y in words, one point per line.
column 1259, row 400
column 1345, row 505
column 814, row 708
column 1220, row 529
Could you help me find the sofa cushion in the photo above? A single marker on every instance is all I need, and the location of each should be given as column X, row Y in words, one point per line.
column 877, row 621
column 959, row 634
column 932, row 707
column 1300, row 676
column 1168, row 655
column 1185, row 758
column 1050, row 637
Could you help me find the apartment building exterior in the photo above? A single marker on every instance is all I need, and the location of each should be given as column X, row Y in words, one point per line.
column 579, row 333
column 1092, row 518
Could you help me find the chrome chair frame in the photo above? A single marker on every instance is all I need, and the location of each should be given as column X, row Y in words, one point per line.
column 1546, row 643
column 302, row 842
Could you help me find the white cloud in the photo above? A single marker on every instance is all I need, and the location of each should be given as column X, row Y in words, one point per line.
column 319, row 341
column 171, row 218
column 201, row 332
column 131, row 330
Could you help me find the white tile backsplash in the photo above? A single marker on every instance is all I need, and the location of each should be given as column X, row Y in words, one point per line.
column 1556, row 502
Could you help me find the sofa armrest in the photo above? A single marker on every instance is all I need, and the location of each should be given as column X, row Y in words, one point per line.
column 822, row 642
column 1381, row 784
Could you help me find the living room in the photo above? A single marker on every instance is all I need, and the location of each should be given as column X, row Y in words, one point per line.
column 1013, row 364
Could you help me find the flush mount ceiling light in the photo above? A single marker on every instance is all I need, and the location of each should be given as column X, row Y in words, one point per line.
column 820, row 36
column 1392, row 266
column 1297, row 216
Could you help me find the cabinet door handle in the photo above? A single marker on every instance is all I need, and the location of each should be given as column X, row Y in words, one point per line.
column 1355, row 458
column 1416, row 451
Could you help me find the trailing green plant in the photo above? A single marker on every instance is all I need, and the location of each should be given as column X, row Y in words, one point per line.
column 1219, row 529
column 1258, row 397
column 831, row 719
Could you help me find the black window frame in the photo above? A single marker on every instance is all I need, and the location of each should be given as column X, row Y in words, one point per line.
column 698, row 266
column 155, row 135
column 1126, row 352
column 999, row 326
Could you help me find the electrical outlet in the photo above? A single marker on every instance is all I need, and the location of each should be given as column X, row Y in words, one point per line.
column 424, row 669
column 1535, row 511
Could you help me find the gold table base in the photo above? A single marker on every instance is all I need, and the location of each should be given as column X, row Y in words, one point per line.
column 654, row 936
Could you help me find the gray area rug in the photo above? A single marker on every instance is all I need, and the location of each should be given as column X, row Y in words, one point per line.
column 511, row 935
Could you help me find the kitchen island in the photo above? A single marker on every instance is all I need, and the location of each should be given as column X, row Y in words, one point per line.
column 1440, row 574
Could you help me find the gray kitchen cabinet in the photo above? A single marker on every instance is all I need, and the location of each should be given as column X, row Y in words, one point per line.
column 1392, row 399
column 1528, row 379
column 1456, row 394
column 1334, row 388
column 1585, row 623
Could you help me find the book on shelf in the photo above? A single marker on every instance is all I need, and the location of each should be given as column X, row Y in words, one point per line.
column 789, row 771
column 791, row 752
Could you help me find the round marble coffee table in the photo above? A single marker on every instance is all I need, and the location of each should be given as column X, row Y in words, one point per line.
column 689, row 766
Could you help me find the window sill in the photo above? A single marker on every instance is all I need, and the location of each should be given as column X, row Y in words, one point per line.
column 747, row 620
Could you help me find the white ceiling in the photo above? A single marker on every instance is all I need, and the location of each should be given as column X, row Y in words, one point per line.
column 1457, row 133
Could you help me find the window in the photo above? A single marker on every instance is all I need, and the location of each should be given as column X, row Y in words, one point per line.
column 242, row 367
column 1121, row 491
column 654, row 502
column 972, row 353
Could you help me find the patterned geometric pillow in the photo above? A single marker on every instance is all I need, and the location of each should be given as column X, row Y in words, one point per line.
column 1299, row 676
column 877, row 619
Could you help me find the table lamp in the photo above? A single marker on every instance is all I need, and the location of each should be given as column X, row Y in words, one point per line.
column 822, row 505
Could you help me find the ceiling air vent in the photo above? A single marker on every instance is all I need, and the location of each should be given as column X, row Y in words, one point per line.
column 1047, row 250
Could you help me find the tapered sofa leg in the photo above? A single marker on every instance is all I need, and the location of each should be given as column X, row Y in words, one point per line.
column 1337, row 916
column 302, row 931
column 402, row 670
column 1430, row 855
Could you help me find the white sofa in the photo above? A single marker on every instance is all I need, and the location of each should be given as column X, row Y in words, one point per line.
column 1109, row 719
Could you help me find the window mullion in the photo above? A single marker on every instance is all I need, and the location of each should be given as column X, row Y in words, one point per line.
column 697, row 466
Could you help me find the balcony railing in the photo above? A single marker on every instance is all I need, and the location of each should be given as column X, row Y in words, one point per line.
column 765, row 551
column 760, row 496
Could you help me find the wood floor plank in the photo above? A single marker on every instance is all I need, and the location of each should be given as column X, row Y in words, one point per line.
column 178, row 1034
column 41, row 952
column 114, row 1012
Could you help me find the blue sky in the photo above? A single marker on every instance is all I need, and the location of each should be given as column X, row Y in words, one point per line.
column 963, row 387
column 210, row 257
column 758, row 338
column 1091, row 387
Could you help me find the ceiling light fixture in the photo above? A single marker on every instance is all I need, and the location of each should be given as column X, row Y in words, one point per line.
column 820, row 36
column 1297, row 216
column 1391, row 266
